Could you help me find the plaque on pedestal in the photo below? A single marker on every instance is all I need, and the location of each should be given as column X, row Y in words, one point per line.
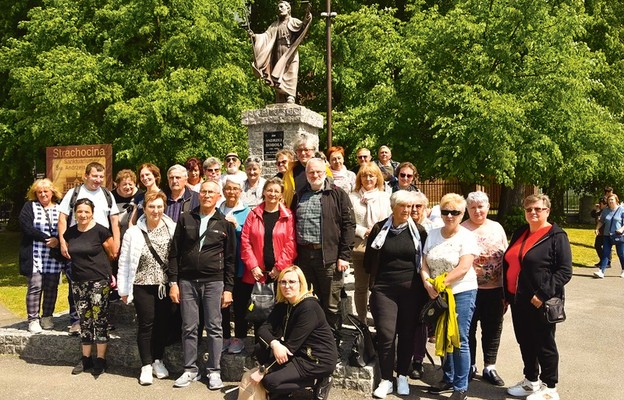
column 276, row 126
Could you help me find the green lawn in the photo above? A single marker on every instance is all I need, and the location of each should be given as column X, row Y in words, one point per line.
column 13, row 285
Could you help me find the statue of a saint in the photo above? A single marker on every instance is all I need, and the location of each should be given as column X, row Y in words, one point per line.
column 276, row 60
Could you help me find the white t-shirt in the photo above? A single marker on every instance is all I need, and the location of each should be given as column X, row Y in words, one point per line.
column 443, row 255
column 100, row 202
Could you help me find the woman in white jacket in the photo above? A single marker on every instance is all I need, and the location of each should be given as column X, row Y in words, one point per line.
column 142, row 279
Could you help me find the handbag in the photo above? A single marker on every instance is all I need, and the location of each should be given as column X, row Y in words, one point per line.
column 434, row 309
column 554, row 310
column 249, row 390
column 261, row 302
column 362, row 350
column 617, row 238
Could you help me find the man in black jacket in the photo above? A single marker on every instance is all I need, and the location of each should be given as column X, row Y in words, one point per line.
column 201, row 274
column 325, row 231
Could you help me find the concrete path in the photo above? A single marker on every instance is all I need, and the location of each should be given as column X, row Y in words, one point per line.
column 591, row 345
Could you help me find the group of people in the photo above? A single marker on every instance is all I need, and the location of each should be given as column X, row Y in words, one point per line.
column 609, row 215
column 202, row 243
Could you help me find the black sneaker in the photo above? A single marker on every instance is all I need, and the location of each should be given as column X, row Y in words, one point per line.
column 417, row 370
column 459, row 395
column 472, row 372
column 441, row 387
column 99, row 366
column 493, row 378
column 85, row 364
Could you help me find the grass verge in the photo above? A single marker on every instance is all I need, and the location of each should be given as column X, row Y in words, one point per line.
column 13, row 285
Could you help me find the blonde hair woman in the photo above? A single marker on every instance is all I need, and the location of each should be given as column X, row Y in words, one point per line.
column 39, row 222
column 296, row 344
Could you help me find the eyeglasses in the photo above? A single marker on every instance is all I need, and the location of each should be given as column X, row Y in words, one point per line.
column 363, row 157
column 304, row 150
column 536, row 209
column 212, row 169
column 252, row 159
column 285, row 283
column 231, row 159
column 207, row 192
column 402, row 175
column 313, row 173
column 454, row 213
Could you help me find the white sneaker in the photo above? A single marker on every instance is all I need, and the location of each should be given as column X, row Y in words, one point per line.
column 402, row 386
column 599, row 274
column 622, row 274
column 385, row 388
column 236, row 346
column 159, row 369
column 146, row 375
column 186, row 378
column 34, row 326
column 545, row 393
column 214, row 381
column 524, row 388
column 47, row 323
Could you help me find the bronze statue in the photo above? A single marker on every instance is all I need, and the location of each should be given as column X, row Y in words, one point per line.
column 276, row 60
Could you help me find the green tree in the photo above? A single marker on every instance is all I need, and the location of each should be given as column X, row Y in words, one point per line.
column 160, row 81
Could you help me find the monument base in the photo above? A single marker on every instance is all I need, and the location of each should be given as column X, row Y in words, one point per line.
column 276, row 126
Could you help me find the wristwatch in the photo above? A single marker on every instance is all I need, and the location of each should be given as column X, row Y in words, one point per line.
column 173, row 284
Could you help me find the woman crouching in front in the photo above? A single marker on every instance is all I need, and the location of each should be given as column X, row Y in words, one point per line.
column 297, row 347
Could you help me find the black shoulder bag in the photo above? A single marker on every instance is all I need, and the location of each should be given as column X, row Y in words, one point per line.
column 152, row 250
column 553, row 308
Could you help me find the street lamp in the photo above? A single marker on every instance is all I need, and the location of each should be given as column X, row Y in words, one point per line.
column 328, row 15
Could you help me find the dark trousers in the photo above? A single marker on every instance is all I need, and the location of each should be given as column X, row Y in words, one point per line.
column 395, row 310
column 326, row 281
column 282, row 379
column 489, row 310
column 241, row 295
column 73, row 313
column 536, row 338
column 153, row 318
column 41, row 285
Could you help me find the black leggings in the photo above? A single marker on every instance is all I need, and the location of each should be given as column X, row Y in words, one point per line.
column 153, row 318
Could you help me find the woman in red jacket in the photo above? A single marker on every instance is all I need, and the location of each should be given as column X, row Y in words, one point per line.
column 268, row 238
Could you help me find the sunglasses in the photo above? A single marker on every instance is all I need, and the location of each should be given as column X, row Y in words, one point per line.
column 536, row 209
column 283, row 162
column 231, row 159
column 212, row 169
column 454, row 213
column 402, row 175
column 363, row 157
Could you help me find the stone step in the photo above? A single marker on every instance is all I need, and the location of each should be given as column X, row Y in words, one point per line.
column 57, row 347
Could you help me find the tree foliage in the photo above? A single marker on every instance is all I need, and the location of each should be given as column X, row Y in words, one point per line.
column 519, row 91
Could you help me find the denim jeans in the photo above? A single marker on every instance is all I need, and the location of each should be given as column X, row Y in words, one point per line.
column 193, row 295
column 606, row 252
column 457, row 364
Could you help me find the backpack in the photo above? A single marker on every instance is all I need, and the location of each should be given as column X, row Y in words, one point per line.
column 72, row 203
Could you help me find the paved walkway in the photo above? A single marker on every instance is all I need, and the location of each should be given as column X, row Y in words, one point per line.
column 591, row 345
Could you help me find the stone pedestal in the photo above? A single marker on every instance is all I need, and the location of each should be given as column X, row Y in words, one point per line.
column 276, row 126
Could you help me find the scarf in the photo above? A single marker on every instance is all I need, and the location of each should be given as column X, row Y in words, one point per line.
column 447, row 328
column 380, row 239
column 370, row 200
